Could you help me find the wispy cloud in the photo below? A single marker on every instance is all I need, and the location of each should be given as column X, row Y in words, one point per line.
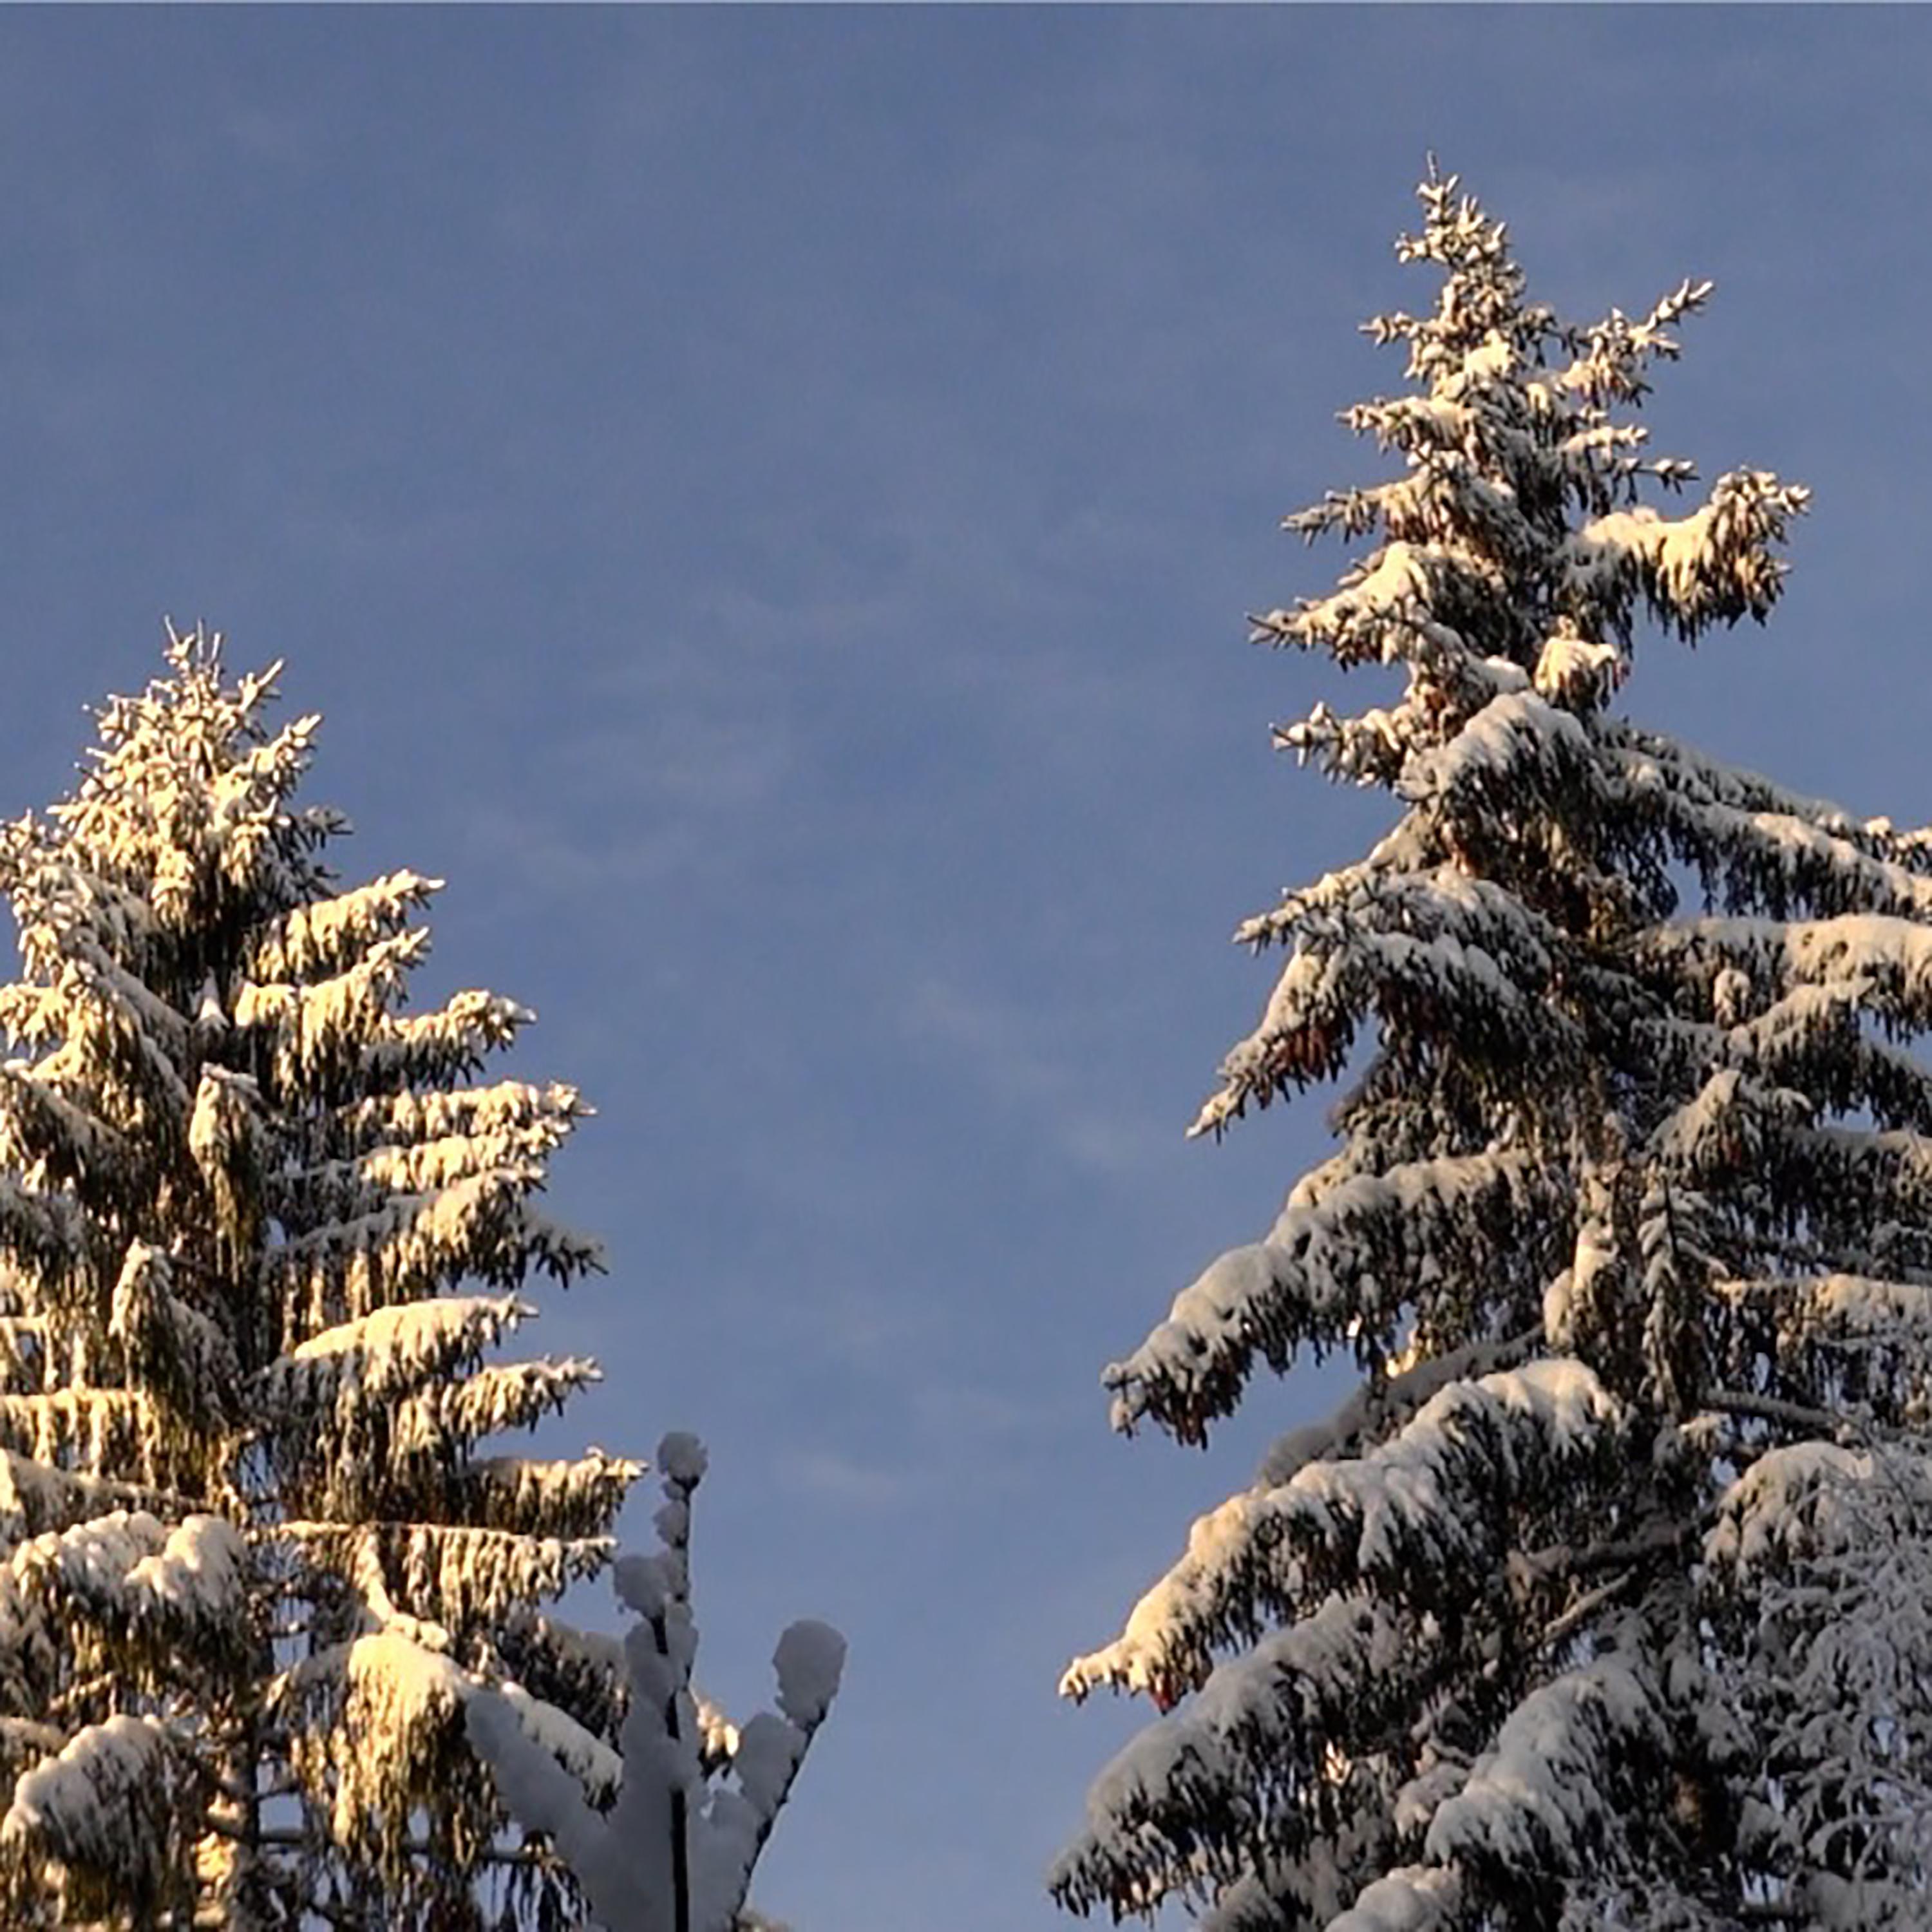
column 828, row 1475
column 946, row 1439
column 260, row 133
column 1020, row 1062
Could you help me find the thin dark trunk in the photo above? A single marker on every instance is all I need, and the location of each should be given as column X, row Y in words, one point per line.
column 680, row 1824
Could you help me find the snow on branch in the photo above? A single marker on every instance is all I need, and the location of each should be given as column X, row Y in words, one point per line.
column 325, row 936
column 382, row 1123
column 39, row 1228
column 316, row 1031
column 1726, row 1127
column 1838, row 1339
column 572, row 1496
column 36, row 1497
column 1176, row 1807
column 401, row 1394
column 109, row 1810
column 1517, row 743
column 1845, row 1308
column 1411, row 1898
column 187, row 796
column 1805, row 1498
column 1380, row 612
column 584, row 1671
column 450, row 1042
column 428, row 1147
column 1869, row 1195
column 1542, row 1801
column 456, row 1571
column 503, row 1395
column 1889, row 958
column 1434, row 955
column 1339, row 1268
column 1820, row 1567
column 1765, row 851
column 1715, row 565
column 167, row 1340
column 598, row 1767
column 138, row 1592
column 1440, row 902
column 1705, row 804
column 676, row 1852
column 399, row 1738
column 42, row 1127
column 414, row 1246
column 1406, row 848
column 107, row 1430
column 1242, row 1565
column 428, row 1166
column 1429, row 1502
column 391, row 1352
column 1811, row 1038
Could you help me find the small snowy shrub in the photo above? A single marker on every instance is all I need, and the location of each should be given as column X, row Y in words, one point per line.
column 696, row 1796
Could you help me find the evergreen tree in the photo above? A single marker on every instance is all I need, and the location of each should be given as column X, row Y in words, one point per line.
column 261, row 1229
column 1603, row 1601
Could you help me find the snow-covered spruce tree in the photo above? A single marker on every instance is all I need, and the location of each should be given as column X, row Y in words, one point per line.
column 260, row 1229
column 675, row 1848
column 1603, row 1602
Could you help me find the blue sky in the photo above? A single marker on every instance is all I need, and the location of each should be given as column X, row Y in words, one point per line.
column 765, row 502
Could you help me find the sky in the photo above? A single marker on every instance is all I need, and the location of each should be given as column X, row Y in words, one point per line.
column 765, row 501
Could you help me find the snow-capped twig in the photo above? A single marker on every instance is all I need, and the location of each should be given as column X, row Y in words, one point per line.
column 676, row 1852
